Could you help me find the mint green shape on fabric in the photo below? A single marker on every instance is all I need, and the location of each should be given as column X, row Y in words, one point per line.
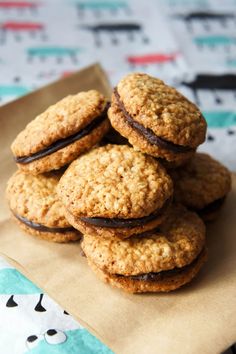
column 197, row 3
column 231, row 62
column 53, row 51
column 101, row 5
column 214, row 40
column 13, row 282
column 79, row 341
column 13, row 90
column 220, row 119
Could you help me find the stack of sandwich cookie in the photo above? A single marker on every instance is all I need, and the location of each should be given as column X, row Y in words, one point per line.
column 202, row 185
column 120, row 196
column 35, row 206
column 50, row 142
column 159, row 260
column 60, row 134
column 156, row 119
column 120, row 199
column 115, row 192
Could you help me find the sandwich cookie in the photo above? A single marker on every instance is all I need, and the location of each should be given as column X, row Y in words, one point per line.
column 36, row 208
column 115, row 191
column 202, row 185
column 61, row 133
column 160, row 260
column 156, row 119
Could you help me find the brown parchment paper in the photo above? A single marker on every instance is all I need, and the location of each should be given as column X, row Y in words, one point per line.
column 199, row 318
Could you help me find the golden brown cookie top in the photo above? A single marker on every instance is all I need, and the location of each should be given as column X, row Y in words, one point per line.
column 201, row 181
column 176, row 243
column 161, row 108
column 59, row 121
column 35, row 198
column 114, row 181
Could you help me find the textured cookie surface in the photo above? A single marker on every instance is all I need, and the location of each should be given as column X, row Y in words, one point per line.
column 35, row 198
column 162, row 109
column 164, row 284
column 176, row 243
column 201, row 181
column 114, row 182
column 59, row 121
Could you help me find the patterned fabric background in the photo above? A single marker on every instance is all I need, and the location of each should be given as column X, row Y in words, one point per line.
column 189, row 44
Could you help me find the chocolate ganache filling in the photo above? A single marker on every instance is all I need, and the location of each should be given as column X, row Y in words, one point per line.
column 164, row 274
column 148, row 133
column 212, row 207
column 126, row 223
column 41, row 227
column 59, row 144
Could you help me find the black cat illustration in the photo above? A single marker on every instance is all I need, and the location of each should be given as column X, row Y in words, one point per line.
column 205, row 18
column 212, row 82
column 114, row 29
